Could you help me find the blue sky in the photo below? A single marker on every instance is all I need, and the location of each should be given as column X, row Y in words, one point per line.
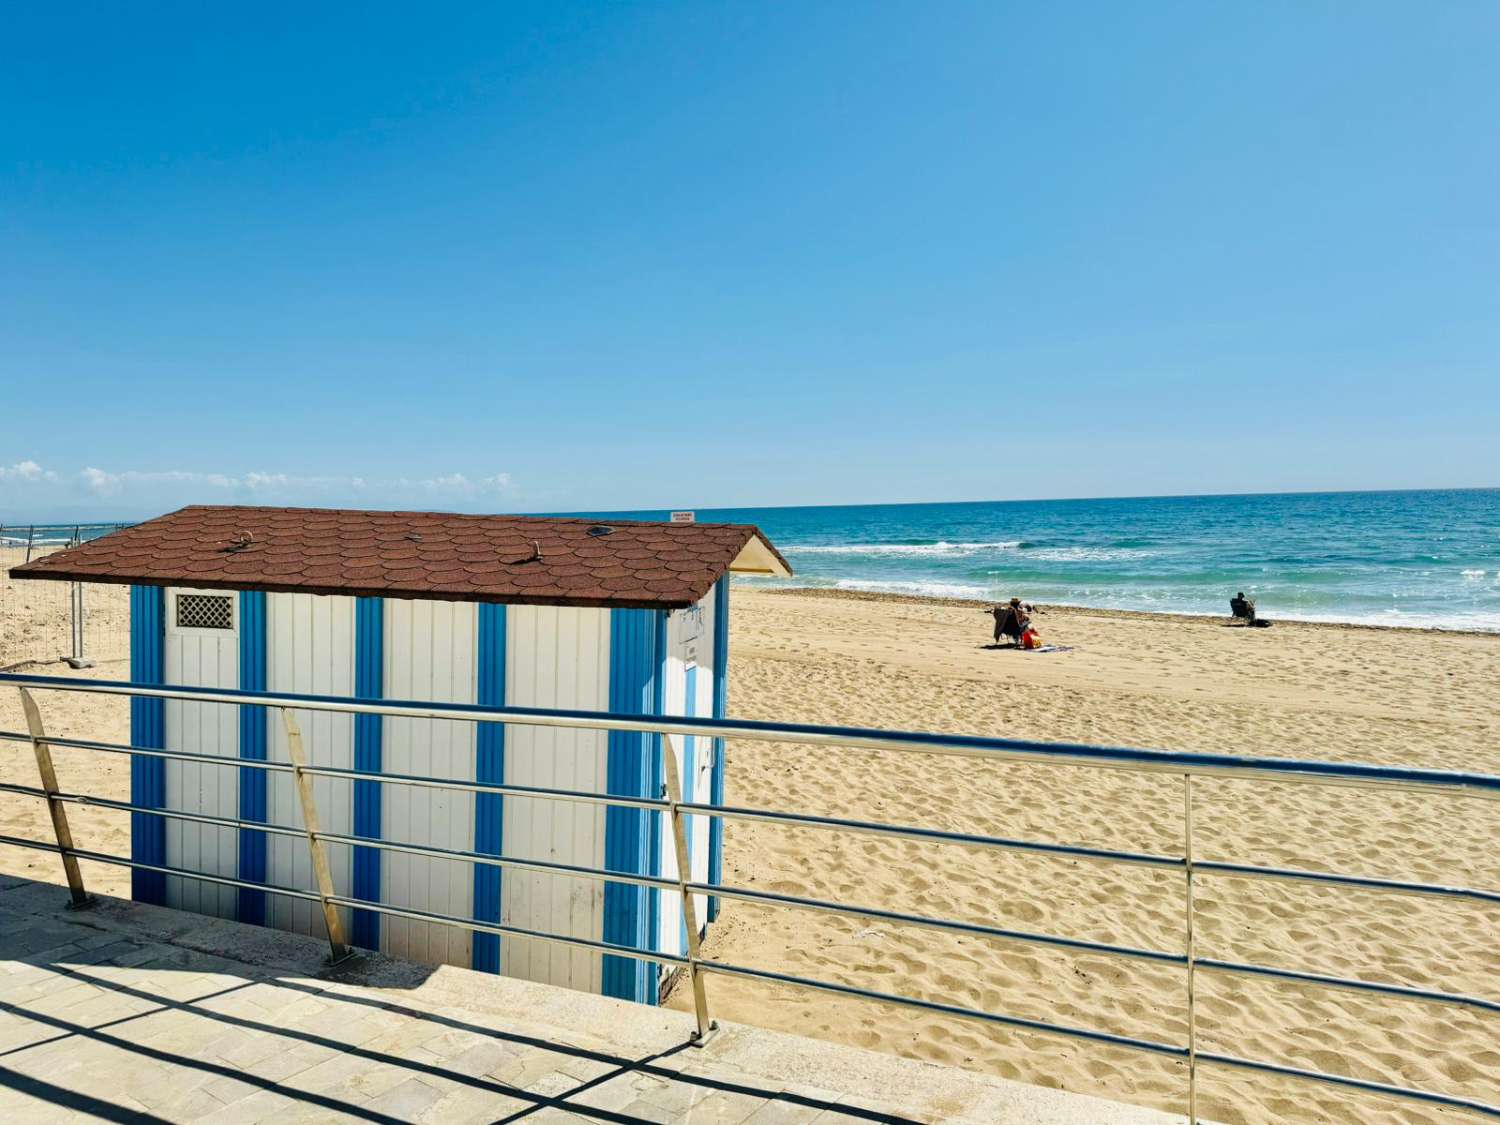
column 544, row 257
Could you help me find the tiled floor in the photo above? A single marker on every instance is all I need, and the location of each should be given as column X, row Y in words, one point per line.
column 131, row 1013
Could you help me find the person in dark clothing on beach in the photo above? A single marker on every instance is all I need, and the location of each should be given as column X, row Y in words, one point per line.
column 1010, row 620
column 1242, row 607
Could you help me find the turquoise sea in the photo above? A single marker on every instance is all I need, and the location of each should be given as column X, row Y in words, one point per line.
column 1426, row 559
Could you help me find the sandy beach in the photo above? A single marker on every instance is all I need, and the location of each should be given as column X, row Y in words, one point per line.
column 1315, row 691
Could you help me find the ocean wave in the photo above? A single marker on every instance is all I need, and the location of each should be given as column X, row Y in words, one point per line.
column 942, row 547
column 1031, row 551
column 1473, row 575
column 1088, row 554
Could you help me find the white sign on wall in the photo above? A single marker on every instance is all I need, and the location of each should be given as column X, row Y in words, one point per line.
column 682, row 517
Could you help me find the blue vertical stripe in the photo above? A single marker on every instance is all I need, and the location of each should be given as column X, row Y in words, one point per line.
column 716, row 777
column 636, row 649
column 689, row 767
column 489, row 766
column 252, row 841
column 369, row 682
column 148, row 776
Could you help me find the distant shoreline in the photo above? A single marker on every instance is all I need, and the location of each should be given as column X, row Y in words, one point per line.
column 1095, row 611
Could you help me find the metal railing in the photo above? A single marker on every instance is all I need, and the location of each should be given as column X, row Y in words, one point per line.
column 38, row 539
column 1185, row 765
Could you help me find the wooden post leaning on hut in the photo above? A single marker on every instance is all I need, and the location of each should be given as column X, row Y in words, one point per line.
column 706, row 1027
column 59, row 814
column 336, row 943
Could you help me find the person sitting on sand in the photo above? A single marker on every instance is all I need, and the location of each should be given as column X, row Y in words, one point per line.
column 1243, row 608
column 1010, row 620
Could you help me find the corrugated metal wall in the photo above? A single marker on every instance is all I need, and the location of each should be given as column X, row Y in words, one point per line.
column 536, row 656
column 309, row 650
column 430, row 654
column 196, row 657
column 555, row 657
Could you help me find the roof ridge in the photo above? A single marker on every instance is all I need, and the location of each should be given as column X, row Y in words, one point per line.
column 540, row 517
column 448, row 556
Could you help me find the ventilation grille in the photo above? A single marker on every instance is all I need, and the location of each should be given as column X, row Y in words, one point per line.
column 204, row 611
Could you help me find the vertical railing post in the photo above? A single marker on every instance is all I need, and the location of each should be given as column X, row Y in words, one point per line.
column 706, row 1026
column 336, row 943
column 54, row 806
column 1192, row 1011
column 75, row 612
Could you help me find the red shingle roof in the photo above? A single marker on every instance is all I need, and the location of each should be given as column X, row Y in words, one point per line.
column 526, row 560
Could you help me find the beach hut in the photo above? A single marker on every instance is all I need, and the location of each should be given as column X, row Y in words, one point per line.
column 583, row 614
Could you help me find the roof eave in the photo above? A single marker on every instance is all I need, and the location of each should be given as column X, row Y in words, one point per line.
column 425, row 595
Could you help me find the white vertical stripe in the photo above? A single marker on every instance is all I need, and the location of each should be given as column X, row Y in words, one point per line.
column 430, row 655
column 309, row 649
column 201, row 658
column 555, row 657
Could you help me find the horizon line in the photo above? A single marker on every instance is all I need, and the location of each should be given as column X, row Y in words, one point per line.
column 867, row 504
column 1032, row 500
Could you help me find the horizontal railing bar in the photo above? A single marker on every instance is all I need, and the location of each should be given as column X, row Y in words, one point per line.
column 1058, row 1030
column 523, row 791
column 771, row 898
column 172, row 814
column 577, row 796
column 1365, row 1084
column 1069, row 851
column 1233, row 870
column 150, row 752
column 974, row 1014
column 936, row 835
column 1081, row 946
column 356, row 903
column 1265, row 769
column 1224, row 765
column 509, row 931
column 1362, row 882
column 1351, row 984
column 975, row 929
column 545, row 867
column 1015, row 1022
column 160, row 868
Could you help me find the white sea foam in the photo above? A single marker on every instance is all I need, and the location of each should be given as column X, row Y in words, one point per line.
column 939, row 548
column 1088, row 554
column 944, row 549
column 1473, row 575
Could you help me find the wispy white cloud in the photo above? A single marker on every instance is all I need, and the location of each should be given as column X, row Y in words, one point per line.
column 151, row 487
column 112, row 484
column 457, row 482
column 27, row 471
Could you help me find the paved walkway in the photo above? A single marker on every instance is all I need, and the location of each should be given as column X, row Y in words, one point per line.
column 133, row 1013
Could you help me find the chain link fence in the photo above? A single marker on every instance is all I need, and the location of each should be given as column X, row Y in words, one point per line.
column 50, row 622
